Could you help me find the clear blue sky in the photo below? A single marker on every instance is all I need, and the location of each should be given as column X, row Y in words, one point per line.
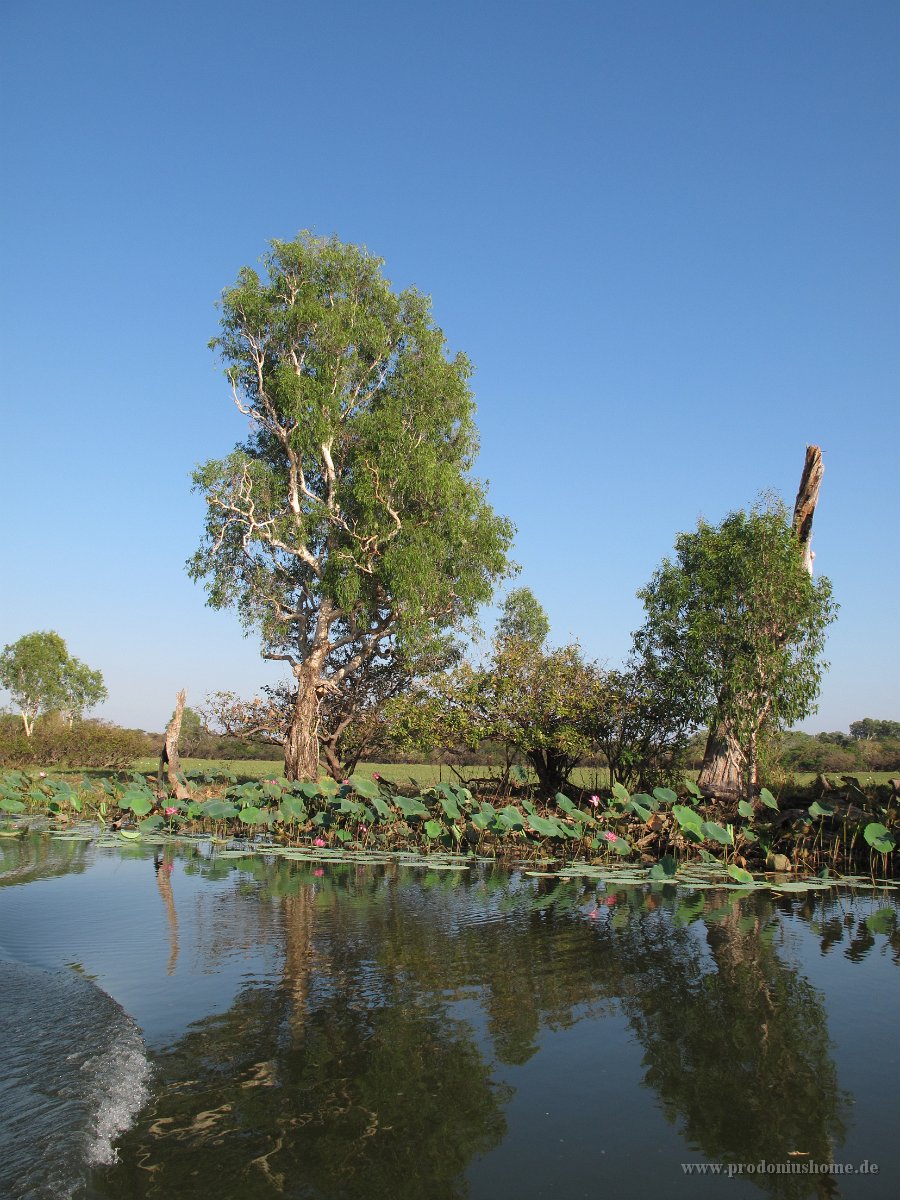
column 666, row 234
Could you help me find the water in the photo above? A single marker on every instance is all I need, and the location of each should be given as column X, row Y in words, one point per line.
column 176, row 1024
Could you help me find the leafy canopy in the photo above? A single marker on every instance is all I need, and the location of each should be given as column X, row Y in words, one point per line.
column 347, row 526
column 735, row 626
column 41, row 676
column 537, row 704
column 523, row 618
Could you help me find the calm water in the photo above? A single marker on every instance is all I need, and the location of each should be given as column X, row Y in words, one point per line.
column 180, row 1026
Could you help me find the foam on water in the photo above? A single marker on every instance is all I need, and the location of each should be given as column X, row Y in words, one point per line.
column 74, row 1076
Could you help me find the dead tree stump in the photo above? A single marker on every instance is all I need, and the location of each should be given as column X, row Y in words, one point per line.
column 169, row 762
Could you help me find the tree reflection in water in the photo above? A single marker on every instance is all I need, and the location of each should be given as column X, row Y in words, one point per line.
column 358, row 1071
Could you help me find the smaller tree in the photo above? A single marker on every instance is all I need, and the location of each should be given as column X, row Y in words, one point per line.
column 40, row 676
column 80, row 689
column 537, row 704
column 735, row 630
column 523, row 619
column 642, row 732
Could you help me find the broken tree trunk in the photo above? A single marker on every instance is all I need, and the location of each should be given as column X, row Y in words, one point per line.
column 805, row 506
column 168, row 759
column 724, row 772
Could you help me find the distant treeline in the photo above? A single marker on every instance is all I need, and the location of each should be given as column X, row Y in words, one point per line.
column 868, row 745
column 101, row 744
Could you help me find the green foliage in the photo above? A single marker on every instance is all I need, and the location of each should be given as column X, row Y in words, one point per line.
column 347, row 529
column 41, row 676
column 537, row 704
column 735, row 627
column 88, row 744
column 523, row 619
column 869, row 729
column 639, row 726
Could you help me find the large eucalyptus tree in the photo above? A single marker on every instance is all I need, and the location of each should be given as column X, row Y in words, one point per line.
column 347, row 529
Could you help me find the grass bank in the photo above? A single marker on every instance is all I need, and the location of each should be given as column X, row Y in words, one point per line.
column 423, row 775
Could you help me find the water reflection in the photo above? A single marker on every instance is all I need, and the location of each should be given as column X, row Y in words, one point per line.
column 163, row 866
column 336, row 1079
column 26, row 859
column 739, row 1055
column 378, row 1057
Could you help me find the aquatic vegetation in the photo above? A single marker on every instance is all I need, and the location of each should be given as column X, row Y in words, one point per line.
column 660, row 834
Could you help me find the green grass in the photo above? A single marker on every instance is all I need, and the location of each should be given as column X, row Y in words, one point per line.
column 866, row 778
column 249, row 768
column 430, row 773
column 426, row 774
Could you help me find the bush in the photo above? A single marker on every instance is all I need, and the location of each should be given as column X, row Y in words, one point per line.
column 89, row 744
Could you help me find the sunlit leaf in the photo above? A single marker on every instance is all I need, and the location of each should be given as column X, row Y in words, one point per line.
column 739, row 874
column 768, row 799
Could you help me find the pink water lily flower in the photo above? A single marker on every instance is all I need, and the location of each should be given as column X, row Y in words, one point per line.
column 595, row 801
column 171, row 811
column 319, row 872
column 610, row 836
column 318, row 841
column 375, row 775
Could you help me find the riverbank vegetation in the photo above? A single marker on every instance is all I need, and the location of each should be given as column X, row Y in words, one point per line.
column 659, row 832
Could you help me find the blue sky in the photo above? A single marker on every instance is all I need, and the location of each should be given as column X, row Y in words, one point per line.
column 666, row 234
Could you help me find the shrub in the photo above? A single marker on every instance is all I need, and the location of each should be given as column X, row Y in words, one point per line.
column 89, row 744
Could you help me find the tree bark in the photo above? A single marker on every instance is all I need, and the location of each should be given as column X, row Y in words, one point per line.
column 722, row 772
column 301, row 746
column 552, row 770
column 168, row 759
column 805, row 505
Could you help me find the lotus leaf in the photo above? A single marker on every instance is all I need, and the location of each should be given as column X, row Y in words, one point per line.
column 410, row 807
column 253, row 816
column 665, row 795
column 879, row 838
column 621, row 792
column 689, row 820
column 740, row 875
column 665, row 868
column 715, row 833
column 820, row 810
column 368, row 788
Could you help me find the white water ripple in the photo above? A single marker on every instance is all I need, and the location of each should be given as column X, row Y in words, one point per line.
column 74, row 1075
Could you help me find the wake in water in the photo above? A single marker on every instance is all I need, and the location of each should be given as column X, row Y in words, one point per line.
column 74, row 1076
